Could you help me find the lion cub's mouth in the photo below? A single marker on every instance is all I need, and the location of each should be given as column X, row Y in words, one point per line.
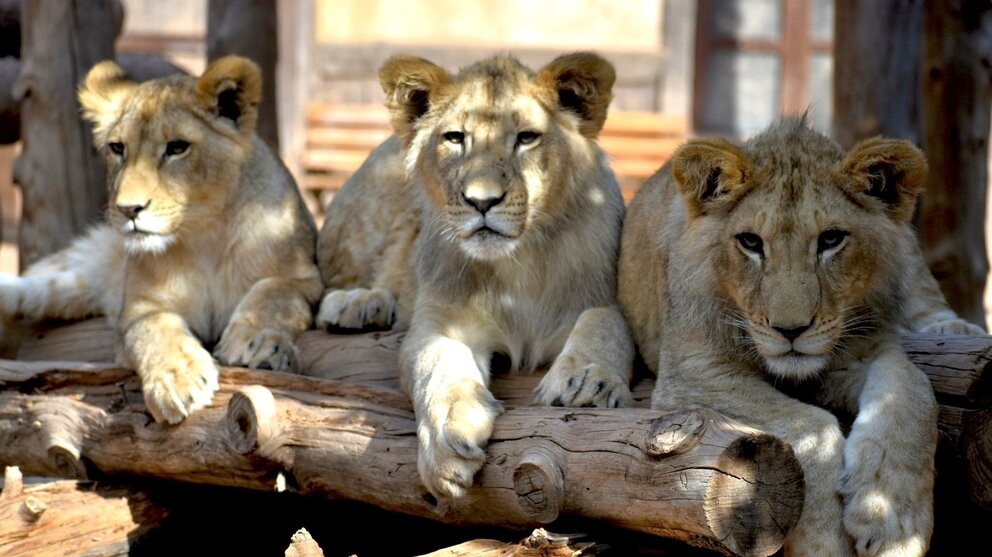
column 485, row 231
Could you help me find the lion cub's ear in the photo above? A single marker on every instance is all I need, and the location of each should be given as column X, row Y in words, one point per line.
column 887, row 174
column 231, row 88
column 711, row 174
column 581, row 82
column 102, row 93
column 410, row 83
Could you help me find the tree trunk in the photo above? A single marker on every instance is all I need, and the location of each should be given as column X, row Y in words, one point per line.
column 876, row 69
column 957, row 99
column 248, row 28
column 72, row 518
column 694, row 476
column 61, row 176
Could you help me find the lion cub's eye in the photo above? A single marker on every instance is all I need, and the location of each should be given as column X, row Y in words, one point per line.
column 751, row 242
column 456, row 138
column 830, row 239
column 116, row 147
column 528, row 137
column 176, row 147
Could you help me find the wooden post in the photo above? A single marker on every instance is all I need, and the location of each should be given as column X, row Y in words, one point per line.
column 876, row 69
column 957, row 100
column 61, row 176
column 248, row 28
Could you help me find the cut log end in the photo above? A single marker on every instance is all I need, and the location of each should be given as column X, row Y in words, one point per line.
column 252, row 423
column 757, row 496
column 64, row 458
column 539, row 484
column 674, row 433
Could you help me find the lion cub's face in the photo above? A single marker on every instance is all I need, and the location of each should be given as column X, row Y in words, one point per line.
column 173, row 146
column 495, row 146
column 808, row 239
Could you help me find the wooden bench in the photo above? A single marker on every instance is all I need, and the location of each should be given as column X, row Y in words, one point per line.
column 340, row 136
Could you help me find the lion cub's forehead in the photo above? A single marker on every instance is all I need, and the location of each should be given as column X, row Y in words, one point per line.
column 162, row 105
column 496, row 92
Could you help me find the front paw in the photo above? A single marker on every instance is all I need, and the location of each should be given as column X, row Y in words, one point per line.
column 956, row 326
column 452, row 451
column 358, row 308
column 257, row 347
column 888, row 510
column 177, row 382
column 570, row 382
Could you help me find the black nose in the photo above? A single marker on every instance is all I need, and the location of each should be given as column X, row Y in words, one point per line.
column 131, row 211
column 792, row 334
column 483, row 204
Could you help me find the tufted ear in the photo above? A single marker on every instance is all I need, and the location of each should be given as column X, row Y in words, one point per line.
column 231, row 88
column 102, row 93
column 888, row 174
column 409, row 83
column 711, row 174
column 581, row 82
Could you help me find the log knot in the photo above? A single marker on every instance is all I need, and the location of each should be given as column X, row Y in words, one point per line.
column 674, row 433
column 539, row 484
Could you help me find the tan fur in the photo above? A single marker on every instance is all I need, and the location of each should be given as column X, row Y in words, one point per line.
column 836, row 267
column 222, row 250
column 404, row 245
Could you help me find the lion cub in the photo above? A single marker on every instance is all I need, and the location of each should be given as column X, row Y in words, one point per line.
column 489, row 225
column 207, row 237
column 746, row 269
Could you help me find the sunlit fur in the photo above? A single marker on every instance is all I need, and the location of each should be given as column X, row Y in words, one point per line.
column 221, row 253
column 531, row 277
column 837, row 267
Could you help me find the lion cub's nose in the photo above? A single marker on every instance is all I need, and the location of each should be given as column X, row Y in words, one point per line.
column 792, row 334
column 131, row 211
column 483, row 202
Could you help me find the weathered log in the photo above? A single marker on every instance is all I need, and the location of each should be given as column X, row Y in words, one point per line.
column 540, row 543
column 736, row 490
column 72, row 518
column 958, row 368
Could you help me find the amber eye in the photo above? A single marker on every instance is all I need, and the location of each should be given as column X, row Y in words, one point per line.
column 751, row 242
column 830, row 239
column 176, row 147
column 527, row 137
column 454, row 137
column 116, row 148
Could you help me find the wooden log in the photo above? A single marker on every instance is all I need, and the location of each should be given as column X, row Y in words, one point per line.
column 72, row 518
column 737, row 490
column 62, row 177
column 958, row 368
column 540, row 543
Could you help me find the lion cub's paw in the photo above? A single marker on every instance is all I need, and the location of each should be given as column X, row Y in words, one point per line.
column 357, row 308
column 452, row 452
column 953, row 327
column 257, row 348
column 887, row 509
column 571, row 383
column 177, row 383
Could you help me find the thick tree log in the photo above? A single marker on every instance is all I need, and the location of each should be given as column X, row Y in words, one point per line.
column 716, row 484
column 959, row 369
column 62, row 178
column 72, row 518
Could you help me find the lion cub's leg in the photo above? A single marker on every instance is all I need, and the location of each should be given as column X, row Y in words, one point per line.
column 813, row 433
column 79, row 281
column 383, row 304
column 261, row 331
column 448, row 385
column 595, row 366
column 177, row 374
column 889, row 458
column 926, row 309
